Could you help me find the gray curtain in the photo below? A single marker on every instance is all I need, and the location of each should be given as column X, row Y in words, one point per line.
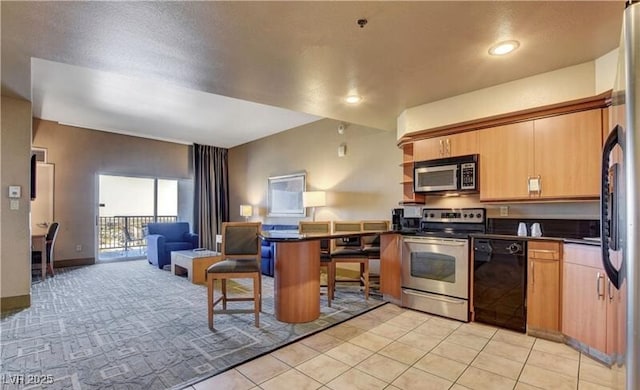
column 211, row 191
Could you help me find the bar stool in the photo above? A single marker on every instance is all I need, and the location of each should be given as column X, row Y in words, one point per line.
column 371, row 246
column 325, row 252
column 241, row 259
column 349, row 250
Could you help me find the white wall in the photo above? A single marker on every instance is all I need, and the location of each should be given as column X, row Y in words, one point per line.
column 15, row 233
column 574, row 82
column 362, row 185
column 606, row 67
column 558, row 86
column 80, row 155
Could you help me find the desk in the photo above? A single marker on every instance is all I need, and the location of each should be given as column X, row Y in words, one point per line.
column 297, row 273
column 39, row 242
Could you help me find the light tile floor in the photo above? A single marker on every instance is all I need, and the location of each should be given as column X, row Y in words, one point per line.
column 395, row 348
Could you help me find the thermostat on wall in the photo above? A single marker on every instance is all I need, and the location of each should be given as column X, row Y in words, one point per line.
column 14, row 191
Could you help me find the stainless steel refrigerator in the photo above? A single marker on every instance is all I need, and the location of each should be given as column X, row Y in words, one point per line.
column 620, row 196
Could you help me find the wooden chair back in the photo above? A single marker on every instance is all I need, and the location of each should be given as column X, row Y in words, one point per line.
column 316, row 227
column 346, row 227
column 240, row 240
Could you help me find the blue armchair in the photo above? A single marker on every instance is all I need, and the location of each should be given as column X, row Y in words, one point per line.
column 267, row 248
column 163, row 238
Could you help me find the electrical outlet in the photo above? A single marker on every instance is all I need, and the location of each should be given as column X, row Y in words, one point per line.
column 504, row 211
column 78, row 248
column 14, row 204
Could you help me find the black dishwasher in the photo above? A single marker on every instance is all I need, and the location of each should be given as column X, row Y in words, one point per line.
column 500, row 282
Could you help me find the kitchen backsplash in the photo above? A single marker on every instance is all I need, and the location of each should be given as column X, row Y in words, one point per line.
column 546, row 210
column 563, row 228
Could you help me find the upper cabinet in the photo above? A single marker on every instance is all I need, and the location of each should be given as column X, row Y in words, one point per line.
column 542, row 154
column 506, row 161
column 453, row 145
column 567, row 155
column 550, row 158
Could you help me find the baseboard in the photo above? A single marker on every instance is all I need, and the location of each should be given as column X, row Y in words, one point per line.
column 74, row 262
column 13, row 303
column 552, row 335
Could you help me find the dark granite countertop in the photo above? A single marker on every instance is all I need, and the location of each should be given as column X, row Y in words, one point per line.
column 529, row 238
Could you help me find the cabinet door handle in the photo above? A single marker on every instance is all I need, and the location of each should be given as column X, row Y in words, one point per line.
column 441, row 148
column 598, row 277
column 448, row 147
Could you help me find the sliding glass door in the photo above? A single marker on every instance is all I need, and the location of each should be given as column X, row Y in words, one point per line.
column 127, row 205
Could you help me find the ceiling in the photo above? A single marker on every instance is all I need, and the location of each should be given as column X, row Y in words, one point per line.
column 163, row 69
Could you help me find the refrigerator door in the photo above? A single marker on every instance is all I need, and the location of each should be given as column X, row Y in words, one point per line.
column 610, row 196
column 631, row 146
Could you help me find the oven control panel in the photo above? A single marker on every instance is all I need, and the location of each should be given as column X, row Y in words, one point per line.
column 454, row 215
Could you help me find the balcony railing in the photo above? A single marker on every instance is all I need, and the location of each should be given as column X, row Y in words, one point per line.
column 126, row 232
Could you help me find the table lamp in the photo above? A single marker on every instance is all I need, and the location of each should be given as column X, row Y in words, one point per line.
column 246, row 210
column 314, row 199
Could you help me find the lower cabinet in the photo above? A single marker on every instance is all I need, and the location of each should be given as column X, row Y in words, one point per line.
column 390, row 262
column 543, row 286
column 591, row 305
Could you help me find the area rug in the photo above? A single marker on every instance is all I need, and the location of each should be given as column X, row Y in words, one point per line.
column 129, row 325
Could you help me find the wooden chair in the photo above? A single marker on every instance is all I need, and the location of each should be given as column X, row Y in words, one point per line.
column 371, row 246
column 325, row 252
column 36, row 256
column 241, row 259
column 349, row 250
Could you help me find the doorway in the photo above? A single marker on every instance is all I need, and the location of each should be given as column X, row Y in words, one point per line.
column 126, row 205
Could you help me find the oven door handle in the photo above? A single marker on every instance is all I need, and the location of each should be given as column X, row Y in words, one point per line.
column 432, row 241
column 432, row 296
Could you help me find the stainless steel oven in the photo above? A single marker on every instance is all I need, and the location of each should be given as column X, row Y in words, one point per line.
column 435, row 275
column 435, row 262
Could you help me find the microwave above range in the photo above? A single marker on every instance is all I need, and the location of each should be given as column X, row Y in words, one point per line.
column 446, row 175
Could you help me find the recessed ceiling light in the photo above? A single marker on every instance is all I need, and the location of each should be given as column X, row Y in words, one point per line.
column 353, row 99
column 503, row 48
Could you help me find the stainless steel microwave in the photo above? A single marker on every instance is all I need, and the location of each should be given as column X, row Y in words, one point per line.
column 452, row 174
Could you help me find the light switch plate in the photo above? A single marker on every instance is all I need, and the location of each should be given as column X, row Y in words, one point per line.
column 342, row 150
column 15, row 204
column 14, row 191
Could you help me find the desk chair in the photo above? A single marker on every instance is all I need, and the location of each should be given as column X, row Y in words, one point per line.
column 241, row 259
column 349, row 250
column 36, row 256
column 325, row 250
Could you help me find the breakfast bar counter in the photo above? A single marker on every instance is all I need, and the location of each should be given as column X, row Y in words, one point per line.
column 297, row 273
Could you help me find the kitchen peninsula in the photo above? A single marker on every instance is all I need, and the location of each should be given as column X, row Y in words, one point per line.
column 297, row 271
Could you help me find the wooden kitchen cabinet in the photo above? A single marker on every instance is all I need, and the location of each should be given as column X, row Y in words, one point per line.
column 506, row 161
column 408, row 196
column 566, row 154
column 390, row 262
column 591, row 307
column 563, row 151
column 452, row 145
column 544, row 287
